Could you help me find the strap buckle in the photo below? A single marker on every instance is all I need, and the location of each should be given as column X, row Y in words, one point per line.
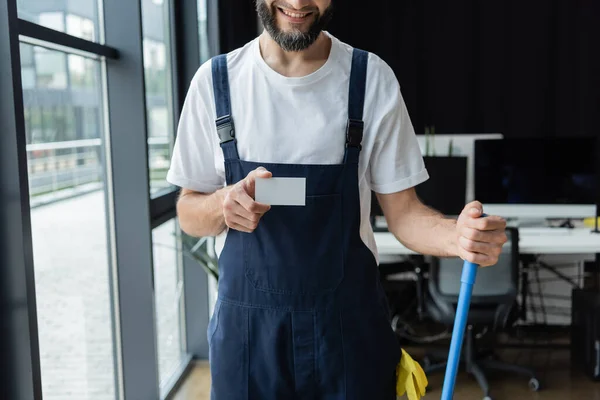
column 354, row 133
column 225, row 129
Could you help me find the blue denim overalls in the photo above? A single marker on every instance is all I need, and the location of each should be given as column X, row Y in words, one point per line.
column 301, row 313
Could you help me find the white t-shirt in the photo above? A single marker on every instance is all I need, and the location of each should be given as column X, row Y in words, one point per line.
column 299, row 120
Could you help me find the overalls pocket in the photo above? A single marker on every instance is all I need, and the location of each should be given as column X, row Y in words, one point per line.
column 297, row 249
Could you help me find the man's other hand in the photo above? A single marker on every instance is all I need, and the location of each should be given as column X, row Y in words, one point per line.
column 480, row 239
column 240, row 210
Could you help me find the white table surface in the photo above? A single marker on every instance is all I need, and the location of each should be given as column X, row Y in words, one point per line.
column 531, row 241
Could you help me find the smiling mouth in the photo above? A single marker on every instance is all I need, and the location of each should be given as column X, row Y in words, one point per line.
column 295, row 15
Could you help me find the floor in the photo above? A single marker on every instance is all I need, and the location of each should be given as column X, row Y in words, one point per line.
column 559, row 383
column 73, row 296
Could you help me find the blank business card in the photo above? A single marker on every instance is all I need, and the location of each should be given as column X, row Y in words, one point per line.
column 281, row 191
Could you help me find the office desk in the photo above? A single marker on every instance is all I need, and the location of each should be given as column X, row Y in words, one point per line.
column 531, row 241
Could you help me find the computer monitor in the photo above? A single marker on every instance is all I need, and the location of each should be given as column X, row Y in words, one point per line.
column 536, row 171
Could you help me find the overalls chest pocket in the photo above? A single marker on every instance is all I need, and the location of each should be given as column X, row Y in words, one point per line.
column 297, row 249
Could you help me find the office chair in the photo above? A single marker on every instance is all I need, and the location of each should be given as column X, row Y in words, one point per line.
column 493, row 306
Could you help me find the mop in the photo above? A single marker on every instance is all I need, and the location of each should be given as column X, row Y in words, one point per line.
column 469, row 273
column 411, row 378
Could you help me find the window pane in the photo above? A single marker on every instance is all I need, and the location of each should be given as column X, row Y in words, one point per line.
column 168, row 286
column 68, row 220
column 81, row 72
column 75, row 17
column 51, row 68
column 157, row 73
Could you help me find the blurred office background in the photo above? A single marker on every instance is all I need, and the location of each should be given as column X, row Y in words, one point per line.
column 102, row 297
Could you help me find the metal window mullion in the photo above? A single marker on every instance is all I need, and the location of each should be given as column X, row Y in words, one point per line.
column 187, row 49
column 174, row 66
column 129, row 177
column 214, row 39
column 39, row 32
column 19, row 344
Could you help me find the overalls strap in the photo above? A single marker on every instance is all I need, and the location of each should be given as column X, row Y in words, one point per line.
column 224, row 121
column 356, row 102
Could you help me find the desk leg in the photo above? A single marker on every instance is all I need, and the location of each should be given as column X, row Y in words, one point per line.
column 596, row 273
column 419, row 263
column 524, row 283
column 592, row 272
column 526, row 260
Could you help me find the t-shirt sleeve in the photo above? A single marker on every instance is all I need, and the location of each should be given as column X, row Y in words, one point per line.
column 193, row 163
column 396, row 162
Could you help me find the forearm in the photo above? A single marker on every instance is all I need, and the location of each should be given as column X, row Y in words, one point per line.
column 201, row 214
column 425, row 231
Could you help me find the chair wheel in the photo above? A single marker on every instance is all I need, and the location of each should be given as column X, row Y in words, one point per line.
column 534, row 384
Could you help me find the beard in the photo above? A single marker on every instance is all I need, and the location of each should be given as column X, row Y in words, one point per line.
column 294, row 40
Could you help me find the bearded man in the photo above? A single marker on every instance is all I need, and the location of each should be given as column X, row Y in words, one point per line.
column 300, row 312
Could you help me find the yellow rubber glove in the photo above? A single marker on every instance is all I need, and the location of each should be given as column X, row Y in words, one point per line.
column 411, row 378
column 590, row 222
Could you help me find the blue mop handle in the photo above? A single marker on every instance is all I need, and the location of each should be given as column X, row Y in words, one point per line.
column 469, row 274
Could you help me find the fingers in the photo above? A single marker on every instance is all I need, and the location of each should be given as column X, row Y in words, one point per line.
column 248, row 203
column 483, row 260
column 495, row 236
column 249, row 183
column 490, row 223
column 480, row 239
column 472, row 217
column 472, row 246
column 482, row 248
column 240, row 210
column 233, row 207
column 239, row 227
column 474, row 209
column 236, row 217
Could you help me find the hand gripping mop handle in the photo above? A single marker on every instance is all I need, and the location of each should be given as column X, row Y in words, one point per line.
column 469, row 274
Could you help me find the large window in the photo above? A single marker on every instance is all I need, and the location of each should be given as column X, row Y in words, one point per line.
column 97, row 307
column 69, row 228
column 159, row 97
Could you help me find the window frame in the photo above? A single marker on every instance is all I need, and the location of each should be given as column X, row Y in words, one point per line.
column 19, row 340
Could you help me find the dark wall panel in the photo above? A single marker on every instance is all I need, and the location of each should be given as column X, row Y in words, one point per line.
column 519, row 68
column 237, row 23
